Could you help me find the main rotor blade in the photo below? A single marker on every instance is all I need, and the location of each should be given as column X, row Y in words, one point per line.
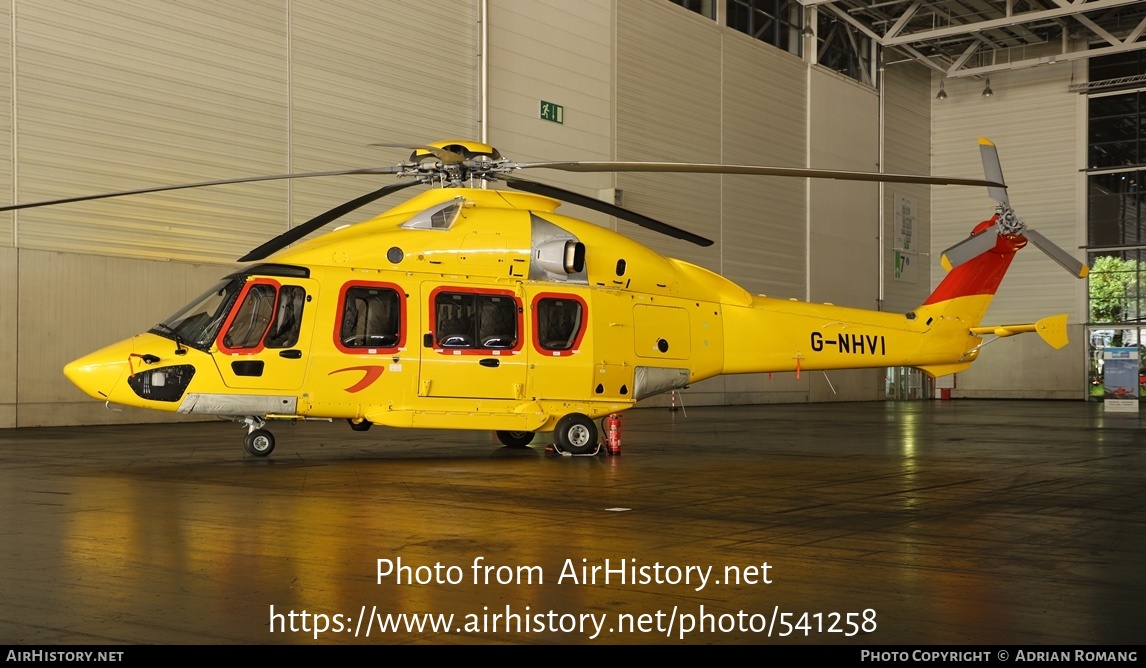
column 993, row 171
column 1068, row 261
column 295, row 233
column 606, row 208
column 757, row 170
column 201, row 184
column 447, row 157
column 970, row 248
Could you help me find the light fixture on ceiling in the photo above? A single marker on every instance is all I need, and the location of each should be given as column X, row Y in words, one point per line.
column 806, row 31
column 942, row 94
column 987, row 92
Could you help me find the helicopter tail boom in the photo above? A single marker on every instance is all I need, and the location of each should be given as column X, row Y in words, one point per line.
column 941, row 336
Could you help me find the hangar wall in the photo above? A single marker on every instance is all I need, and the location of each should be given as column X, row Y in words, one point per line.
column 111, row 95
column 560, row 53
column 906, row 150
column 1036, row 123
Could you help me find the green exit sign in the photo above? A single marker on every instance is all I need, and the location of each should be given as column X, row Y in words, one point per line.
column 552, row 112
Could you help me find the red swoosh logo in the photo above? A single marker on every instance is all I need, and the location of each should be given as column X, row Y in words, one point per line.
column 371, row 373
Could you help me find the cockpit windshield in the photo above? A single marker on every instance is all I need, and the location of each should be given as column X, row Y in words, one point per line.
column 198, row 323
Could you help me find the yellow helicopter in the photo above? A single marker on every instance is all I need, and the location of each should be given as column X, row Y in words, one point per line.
column 473, row 308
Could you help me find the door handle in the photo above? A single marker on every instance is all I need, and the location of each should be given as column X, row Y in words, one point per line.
column 291, row 354
column 491, row 362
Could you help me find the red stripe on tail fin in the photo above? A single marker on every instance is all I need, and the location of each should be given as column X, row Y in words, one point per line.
column 983, row 274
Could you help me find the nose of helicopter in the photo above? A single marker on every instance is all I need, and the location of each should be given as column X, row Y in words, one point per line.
column 98, row 373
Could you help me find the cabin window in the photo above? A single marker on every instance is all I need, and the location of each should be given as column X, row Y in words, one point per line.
column 475, row 320
column 371, row 318
column 558, row 322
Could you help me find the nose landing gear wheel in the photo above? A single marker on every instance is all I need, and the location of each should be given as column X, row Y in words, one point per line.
column 576, row 434
column 515, row 439
column 259, row 443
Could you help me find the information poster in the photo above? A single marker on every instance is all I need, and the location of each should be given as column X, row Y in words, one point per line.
column 1120, row 377
column 903, row 249
column 903, row 221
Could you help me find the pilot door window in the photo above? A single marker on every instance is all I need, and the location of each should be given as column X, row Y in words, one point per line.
column 558, row 323
column 287, row 323
column 476, row 321
column 371, row 319
column 269, row 316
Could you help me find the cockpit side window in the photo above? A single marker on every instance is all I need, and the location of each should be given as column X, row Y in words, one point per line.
column 252, row 319
column 287, row 323
column 198, row 323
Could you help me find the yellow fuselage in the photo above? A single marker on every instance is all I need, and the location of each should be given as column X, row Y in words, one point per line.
column 647, row 324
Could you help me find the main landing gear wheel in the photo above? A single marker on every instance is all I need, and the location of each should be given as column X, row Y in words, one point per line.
column 259, row 443
column 364, row 425
column 515, row 439
column 576, row 434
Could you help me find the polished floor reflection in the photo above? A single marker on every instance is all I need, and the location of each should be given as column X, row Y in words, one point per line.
column 888, row 523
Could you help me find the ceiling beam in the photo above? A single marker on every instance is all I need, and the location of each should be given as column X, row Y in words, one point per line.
column 855, row 23
column 1058, row 58
column 1098, row 30
column 923, row 59
column 971, row 49
column 1136, row 33
column 1094, row 27
column 907, row 14
column 1015, row 19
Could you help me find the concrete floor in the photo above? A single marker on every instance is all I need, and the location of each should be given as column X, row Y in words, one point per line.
column 928, row 522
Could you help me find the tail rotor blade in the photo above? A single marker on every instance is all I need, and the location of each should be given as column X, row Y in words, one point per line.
column 1056, row 253
column 970, row 248
column 993, row 171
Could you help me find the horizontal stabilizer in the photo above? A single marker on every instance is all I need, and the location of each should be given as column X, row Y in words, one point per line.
column 1051, row 329
column 936, row 370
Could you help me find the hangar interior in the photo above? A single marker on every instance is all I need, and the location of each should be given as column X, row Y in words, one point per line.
column 115, row 95
column 990, row 521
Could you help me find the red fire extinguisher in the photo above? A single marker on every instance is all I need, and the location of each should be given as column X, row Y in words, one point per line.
column 613, row 434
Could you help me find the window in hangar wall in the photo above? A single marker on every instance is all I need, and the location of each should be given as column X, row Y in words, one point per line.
column 840, row 46
column 1116, row 215
column 844, row 48
column 775, row 22
column 703, row 7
